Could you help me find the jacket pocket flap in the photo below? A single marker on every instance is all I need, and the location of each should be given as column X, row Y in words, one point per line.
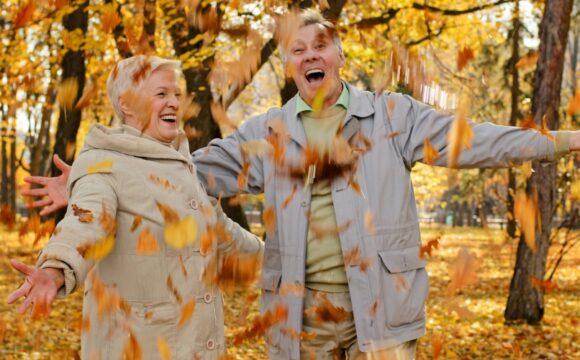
column 402, row 260
column 270, row 280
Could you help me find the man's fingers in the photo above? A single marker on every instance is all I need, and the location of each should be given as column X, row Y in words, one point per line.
column 35, row 192
column 40, row 180
column 22, row 267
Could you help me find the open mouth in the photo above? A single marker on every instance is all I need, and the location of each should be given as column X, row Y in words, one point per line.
column 314, row 75
column 169, row 118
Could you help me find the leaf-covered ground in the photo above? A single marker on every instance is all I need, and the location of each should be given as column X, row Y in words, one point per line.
column 479, row 333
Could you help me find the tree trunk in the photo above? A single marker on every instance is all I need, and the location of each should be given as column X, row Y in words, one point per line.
column 73, row 67
column 515, row 114
column 4, row 160
column 526, row 302
column 38, row 154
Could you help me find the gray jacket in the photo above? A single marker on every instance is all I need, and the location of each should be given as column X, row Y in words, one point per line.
column 384, row 314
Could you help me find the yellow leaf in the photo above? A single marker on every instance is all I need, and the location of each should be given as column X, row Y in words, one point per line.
column 575, row 190
column 100, row 249
column 526, row 213
column 67, row 93
column 102, row 166
column 147, row 244
column 460, row 135
column 181, row 233
column 109, row 18
column 163, row 348
column 186, row 312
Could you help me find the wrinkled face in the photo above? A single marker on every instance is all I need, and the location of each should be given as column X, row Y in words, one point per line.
column 158, row 99
column 314, row 61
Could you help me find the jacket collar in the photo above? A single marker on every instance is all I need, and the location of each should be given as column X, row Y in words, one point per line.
column 360, row 106
column 130, row 141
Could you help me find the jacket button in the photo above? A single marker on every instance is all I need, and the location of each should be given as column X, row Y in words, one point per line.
column 193, row 203
column 210, row 344
column 207, row 298
column 304, row 203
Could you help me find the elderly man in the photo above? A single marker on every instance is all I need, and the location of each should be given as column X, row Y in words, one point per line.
column 339, row 158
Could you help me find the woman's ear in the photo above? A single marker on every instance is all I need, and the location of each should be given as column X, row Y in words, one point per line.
column 123, row 105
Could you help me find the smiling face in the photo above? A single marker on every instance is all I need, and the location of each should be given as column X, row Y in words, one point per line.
column 161, row 94
column 314, row 60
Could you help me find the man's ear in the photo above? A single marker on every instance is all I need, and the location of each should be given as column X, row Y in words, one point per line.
column 342, row 58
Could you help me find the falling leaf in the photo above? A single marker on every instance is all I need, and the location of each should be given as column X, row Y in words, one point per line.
column 292, row 288
column 104, row 166
column 262, row 323
column 269, row 218
column 99, row 249
column 256, row 147
column 84, row 215
column 106, row 220
column 164, row 349
column 162, row 182
column 186, row 312
column 427, row 249
column 188, row 109
column 529, row 60
column 67, row 93
column 89, row 92
column 463, row 57
column 132, row 348
column 545, row 285
column 463, row 271
column 136, row 222
column 436, row 346
column 529, row 123
column 391, row 104
column 430, row 153
column 526, row 213
column 341, row 153
column 70, row 149
column 290, row 196
column 400, row 282
column 460, row 135
column 575, row 190
column 169, row 214
column 392, row 135
column 146, row 243
column 356, row 187
column 375, row 307
column 574, row 105
column 181, row 233
column 173, row 289
column 324, row 311
column 370, row 222
column 453, row 305
column 40, row 309
column 24, row 14
column 319, row 232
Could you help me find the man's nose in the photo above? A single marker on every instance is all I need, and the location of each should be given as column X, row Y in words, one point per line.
column 311, row 55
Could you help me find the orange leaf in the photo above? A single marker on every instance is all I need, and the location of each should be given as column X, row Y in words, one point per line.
column 430, row 153
column 132, row 348
column 526, row 213
column 290, row 196
column 269, row 218
column 427, row 249
column 89, row 92
column 147, row 244
column 370, row 223
column 186, row 312
column 463, row 271
column 84, row 215
column 40, row 309
column 356, row 187
column 545, row 285
column 529, row 60
column 292, row 288
column 436, row 346
column 574, row 105
column 164, row 349
column 162, row 182
column 169, row 214
column 24, row 14
column 460, row 135
column 463, row 57
column 136, row 222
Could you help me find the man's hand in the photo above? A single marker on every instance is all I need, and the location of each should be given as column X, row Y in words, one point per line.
column 575, row 141
column 39, row 288
column 52, row 187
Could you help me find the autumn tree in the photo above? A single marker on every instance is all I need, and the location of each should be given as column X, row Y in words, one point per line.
column 525, row 300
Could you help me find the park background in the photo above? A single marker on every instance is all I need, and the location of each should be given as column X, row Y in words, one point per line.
column 509, row 62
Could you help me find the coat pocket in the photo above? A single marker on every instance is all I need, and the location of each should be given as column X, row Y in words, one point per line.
column 152, row 320
column 404, row 286
column 270, row 285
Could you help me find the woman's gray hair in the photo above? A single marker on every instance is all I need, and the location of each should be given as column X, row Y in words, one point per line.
column 312, row 17
column 131, row 72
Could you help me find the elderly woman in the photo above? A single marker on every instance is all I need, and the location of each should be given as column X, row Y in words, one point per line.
column 140, row 231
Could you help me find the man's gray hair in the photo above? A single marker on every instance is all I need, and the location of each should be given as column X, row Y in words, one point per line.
column 312, row 17
column 131, row 72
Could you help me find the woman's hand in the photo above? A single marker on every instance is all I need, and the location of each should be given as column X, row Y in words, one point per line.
column 39, row 288
column 52, row 187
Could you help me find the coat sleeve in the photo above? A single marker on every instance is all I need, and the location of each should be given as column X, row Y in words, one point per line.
column 223, row 161
column 492, row 145
column 96, row 194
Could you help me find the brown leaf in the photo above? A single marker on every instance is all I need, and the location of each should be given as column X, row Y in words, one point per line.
column 325, row 311
column 186, row 312
column 463, row 57
column 427, row 249
column 463, row 271
column 40, row 309
column 84, row 215
column 146, row 243
column 460, row 135
column 24, row 14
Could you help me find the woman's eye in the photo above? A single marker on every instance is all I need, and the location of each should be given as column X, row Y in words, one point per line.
column 297, row 51
column 160, row 94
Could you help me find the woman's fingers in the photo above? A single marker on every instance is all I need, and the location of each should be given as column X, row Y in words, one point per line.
column 35, row 192
column 39, row 180
column 61, row 165
column 22, row 267
column 21, row 291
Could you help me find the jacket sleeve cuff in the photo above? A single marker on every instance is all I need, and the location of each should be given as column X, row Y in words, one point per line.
column 562, row 143
column 69, row 276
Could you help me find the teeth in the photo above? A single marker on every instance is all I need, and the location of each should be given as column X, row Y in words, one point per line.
column 314, row 71
column 169, row 117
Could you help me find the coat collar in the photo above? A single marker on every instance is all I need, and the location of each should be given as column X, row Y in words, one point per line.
column 361, row 106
